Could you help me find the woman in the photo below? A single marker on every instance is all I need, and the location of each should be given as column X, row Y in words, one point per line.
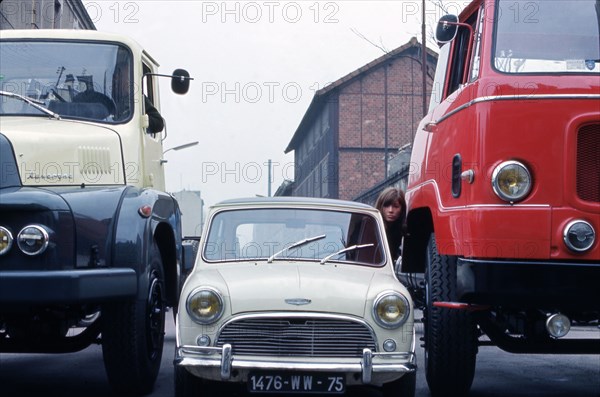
column 392, row 206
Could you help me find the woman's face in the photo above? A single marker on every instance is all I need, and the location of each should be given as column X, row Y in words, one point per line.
column 391, row 212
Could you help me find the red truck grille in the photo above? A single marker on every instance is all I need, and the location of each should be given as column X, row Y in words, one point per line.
column 588, row 163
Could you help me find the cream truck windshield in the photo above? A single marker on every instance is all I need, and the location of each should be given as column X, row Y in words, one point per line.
column 559, row 36
column 82, row 80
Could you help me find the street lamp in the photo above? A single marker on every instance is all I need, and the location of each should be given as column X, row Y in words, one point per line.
column 180, row 147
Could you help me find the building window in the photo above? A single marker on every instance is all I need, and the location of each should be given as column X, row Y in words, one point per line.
column 57, row 13
column 325, row 176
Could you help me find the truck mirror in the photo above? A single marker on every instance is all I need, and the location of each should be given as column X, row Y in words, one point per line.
column 446, row 29
column 180, row 82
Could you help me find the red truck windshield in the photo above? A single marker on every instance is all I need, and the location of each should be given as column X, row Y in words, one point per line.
column 558, row 36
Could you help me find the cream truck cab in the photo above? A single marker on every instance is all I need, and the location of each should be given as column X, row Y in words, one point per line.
column 90, row 244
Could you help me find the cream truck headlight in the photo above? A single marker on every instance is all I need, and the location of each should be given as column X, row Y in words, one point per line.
column 33, row 240
column 511, row 181
column 390, row 309
column 205, row 305
column 6, row 240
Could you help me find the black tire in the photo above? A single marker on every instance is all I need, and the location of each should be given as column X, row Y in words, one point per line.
column 133, row 335
column 450, row 334
column 403, row 387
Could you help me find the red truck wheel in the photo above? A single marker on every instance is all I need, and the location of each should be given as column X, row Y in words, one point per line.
column 450, row 335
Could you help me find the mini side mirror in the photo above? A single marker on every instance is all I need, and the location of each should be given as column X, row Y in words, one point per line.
column 180, row 82
column 447, row 28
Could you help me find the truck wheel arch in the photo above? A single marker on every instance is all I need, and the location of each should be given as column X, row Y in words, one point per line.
column 165, row 238
column 419, row 225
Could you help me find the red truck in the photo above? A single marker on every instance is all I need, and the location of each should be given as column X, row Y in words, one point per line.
column 503, row 194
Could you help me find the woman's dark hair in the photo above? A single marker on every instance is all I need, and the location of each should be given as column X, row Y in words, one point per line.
column 394, row 230
column 388, row 196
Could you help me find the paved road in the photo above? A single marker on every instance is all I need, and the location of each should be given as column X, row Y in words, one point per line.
column 498, row 374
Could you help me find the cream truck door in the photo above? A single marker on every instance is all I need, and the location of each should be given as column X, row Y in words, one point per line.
column 152, row 142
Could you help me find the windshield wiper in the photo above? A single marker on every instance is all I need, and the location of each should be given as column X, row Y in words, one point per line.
column 38, row 105
column 296, row 244
column 344, row 250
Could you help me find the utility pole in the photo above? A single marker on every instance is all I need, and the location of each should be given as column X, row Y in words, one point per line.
column 269, row 179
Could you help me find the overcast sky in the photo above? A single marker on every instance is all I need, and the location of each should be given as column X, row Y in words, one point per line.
column 256, row 66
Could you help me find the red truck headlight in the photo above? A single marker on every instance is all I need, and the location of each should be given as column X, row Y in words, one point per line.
column 511, row 181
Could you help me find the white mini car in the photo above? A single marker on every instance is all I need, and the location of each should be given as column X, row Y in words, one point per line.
column 294, row 295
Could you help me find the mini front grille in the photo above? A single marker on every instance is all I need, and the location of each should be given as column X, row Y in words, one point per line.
column 297, row 337
column 588, row 163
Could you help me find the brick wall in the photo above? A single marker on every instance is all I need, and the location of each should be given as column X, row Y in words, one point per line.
column 363, row 108
column 371, row 110
column 358, row 171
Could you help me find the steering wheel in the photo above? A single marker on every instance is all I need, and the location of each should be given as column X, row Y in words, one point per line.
column 91, row 96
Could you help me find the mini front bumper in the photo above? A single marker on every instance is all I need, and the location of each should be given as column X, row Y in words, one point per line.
column 219, row 363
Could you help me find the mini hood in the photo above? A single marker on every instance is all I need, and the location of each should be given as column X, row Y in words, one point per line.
column 298, row 286
column 63, row 152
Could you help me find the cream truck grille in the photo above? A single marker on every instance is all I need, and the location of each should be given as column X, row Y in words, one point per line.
column 94, row 161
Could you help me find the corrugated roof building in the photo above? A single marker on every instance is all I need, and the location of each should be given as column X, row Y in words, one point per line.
column 45, row 14
column 353, row 126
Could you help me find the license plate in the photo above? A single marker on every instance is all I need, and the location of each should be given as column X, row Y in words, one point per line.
column 296, row 382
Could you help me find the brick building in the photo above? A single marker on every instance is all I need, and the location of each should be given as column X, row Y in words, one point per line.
column 353, row 127
column 44, row 14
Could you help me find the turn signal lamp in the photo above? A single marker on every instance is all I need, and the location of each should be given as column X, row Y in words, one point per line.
column 579, row 236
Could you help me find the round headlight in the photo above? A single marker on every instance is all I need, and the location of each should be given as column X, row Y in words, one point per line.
column 390, row 309
column 511, row 181
column 579, row 236
column 33, row 240
column 205, row 305
column 558, row 325
column 6, row 240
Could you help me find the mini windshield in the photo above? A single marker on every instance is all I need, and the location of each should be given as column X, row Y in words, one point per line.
column 277, row 234
column 83, row 80
column 558, row 36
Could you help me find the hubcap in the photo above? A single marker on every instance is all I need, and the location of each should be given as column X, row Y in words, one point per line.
column 156, row 317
